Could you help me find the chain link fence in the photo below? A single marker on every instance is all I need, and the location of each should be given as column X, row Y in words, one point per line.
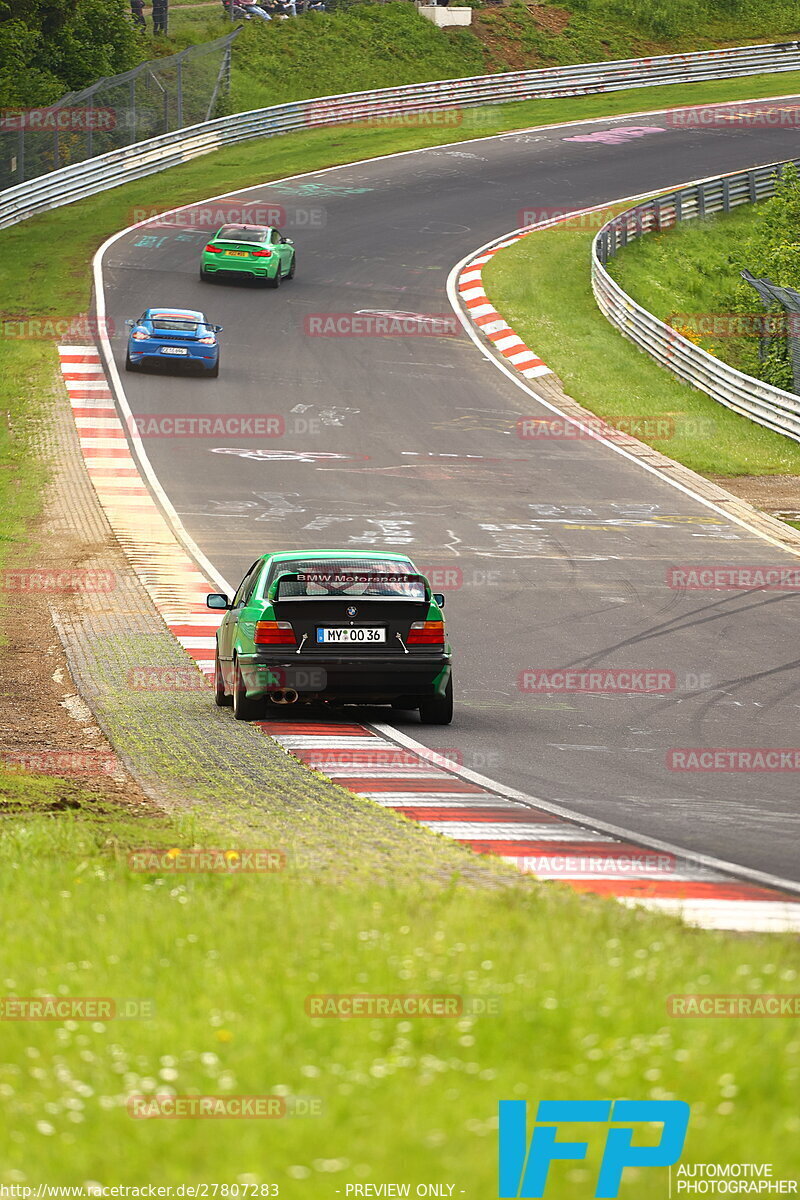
column 781, row 319
column 157, row 97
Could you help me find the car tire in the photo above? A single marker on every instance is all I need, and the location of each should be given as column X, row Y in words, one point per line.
column 130, row 366
column 221, row 697
column 214, row 372
column 244, row 709
column 438, row 710
column 291, row 268
column 203, row 275
column 276, row 282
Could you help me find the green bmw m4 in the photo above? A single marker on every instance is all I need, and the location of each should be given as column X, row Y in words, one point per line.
column 333, row 627
column 257, row 251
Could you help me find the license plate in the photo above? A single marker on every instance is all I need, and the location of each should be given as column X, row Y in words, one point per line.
column 236, row 253
column 173, row 350
column 347, row 635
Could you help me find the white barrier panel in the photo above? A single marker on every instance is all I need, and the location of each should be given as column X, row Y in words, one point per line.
column 144, row 158
column 752, row 398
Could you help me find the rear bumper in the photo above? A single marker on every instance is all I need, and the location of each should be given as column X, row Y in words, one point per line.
column 253, row 268
column 375, row 679
column 205, row 358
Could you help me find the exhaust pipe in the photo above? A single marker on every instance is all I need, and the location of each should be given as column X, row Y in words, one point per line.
column 284, row 696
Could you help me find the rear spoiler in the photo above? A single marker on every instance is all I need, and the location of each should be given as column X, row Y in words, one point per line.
column 339, row 581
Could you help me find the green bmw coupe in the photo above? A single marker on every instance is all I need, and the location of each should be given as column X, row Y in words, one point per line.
column 257, row 251
column 333, row 627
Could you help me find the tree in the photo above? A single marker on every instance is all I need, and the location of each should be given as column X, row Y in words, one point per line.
column 773, row 252
column 50, row 47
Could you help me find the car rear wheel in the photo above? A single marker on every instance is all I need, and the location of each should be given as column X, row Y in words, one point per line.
column 130, row 366
column 276, row 282
column 292, row 267
column 244, row 709
column 438, row 710
column 203, row 275
column 214, row 371
column 221, row 697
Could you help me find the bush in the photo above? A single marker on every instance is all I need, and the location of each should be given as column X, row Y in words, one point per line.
column 64, row 46
column 773, row 252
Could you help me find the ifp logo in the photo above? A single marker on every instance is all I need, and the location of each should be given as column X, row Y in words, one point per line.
column 524, row 1169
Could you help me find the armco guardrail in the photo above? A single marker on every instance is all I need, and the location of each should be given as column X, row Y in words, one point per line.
column 145, row 158
column 156, row 97
column 769, row 406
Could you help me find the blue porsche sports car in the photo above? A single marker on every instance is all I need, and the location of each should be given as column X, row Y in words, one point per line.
column 179, row 335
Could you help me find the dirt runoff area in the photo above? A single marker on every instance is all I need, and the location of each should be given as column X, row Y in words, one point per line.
column 45, row 726
column 46, row 729
column 778, row 495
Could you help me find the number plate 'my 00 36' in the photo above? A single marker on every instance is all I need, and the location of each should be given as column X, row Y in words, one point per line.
column 350, row 634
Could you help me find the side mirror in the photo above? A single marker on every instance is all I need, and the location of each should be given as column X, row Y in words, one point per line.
column 288, row 242
column 217, row 600
column 130, row 323
column 438, row 598
column 217, row 328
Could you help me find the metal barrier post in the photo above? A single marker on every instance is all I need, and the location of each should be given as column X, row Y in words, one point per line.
column 132, row 118
column 180, row 92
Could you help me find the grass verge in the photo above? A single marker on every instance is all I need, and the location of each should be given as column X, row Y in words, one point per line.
column 694, row 275
column 227, row 963
column 362, row 46
column 577, row 991
column 31, row 290
column 609, row 375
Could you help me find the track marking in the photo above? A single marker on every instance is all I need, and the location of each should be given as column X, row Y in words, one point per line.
column 170, row 577
column 533, row 835
column 733, row 905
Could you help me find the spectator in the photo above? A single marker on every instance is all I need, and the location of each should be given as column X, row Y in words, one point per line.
column 254, row 9
column 137, row 12
column 160, row 16
column 239, row 14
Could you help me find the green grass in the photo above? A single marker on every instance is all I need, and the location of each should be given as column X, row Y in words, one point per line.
column 542, row 287
column 364, row 45
column 226, row 965
column 695, row 270
column 30, row 289
column 228, row 962
column 597, row 30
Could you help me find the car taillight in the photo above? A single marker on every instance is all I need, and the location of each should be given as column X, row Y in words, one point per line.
column 213, row 249
column 140, row 335
column 261, row 253
column 426, row 633
column 208, row 341
column 274, row 633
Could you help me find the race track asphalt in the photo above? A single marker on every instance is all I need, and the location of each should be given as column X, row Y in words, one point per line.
column 557, row 550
